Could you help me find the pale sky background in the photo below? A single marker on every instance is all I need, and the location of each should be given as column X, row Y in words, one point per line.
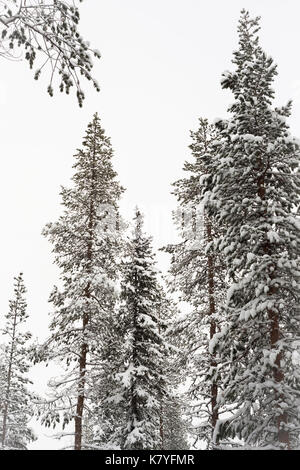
column 160, row 70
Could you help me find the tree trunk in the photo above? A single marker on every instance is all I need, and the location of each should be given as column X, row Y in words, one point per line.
column 7, row 393
column 85, row 321
column 212, row 310
column 161, row 428
column 161, row 411
column 283, row 435
column 81, row 389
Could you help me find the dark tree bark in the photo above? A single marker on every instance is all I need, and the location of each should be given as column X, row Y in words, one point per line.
column 278, row 374
column 212, row 311
column 7, row 393
column 85, row 322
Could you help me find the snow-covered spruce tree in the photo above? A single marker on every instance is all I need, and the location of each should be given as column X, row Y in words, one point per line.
column 15, row 399
column 86, row 241
column 142, row 382
column 255, row 196
column 108, row 412
column 198, row 275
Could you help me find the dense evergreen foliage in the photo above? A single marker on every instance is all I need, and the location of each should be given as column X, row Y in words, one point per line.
column 16, row 401
column 142, row 381
column 254, row 196
column 86, row 241
column 211, row 363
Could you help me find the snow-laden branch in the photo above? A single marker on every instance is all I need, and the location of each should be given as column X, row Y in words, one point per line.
column 48, row 31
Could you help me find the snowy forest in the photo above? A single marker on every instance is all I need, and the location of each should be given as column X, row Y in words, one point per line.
column 202, row 355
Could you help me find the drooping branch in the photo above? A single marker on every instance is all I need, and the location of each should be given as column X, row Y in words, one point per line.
column 48, row 30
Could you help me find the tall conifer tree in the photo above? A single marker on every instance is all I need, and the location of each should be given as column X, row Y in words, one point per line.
column 255, row 196
column 198, row 274
column 142, row 380
column 86, row 243
column 16, row 400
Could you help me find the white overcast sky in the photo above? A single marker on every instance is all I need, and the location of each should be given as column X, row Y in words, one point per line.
column 160, row 70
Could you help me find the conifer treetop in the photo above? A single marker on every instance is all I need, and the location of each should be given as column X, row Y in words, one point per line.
column 87, row 242
column 254, row 197
column 16, row 401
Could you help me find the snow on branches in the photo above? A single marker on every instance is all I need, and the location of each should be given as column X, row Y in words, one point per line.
column 47, row 30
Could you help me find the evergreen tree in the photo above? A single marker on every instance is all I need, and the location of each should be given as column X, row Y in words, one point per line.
column 255, row 198
column 15, row 398
column 198, row 274
column 86, row 241
column 142, row 381
column 108, row 416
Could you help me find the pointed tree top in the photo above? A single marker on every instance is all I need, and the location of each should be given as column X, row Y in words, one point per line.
column 139, row 222
column 19, row 281
column 96, row 116
column 248, row 27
